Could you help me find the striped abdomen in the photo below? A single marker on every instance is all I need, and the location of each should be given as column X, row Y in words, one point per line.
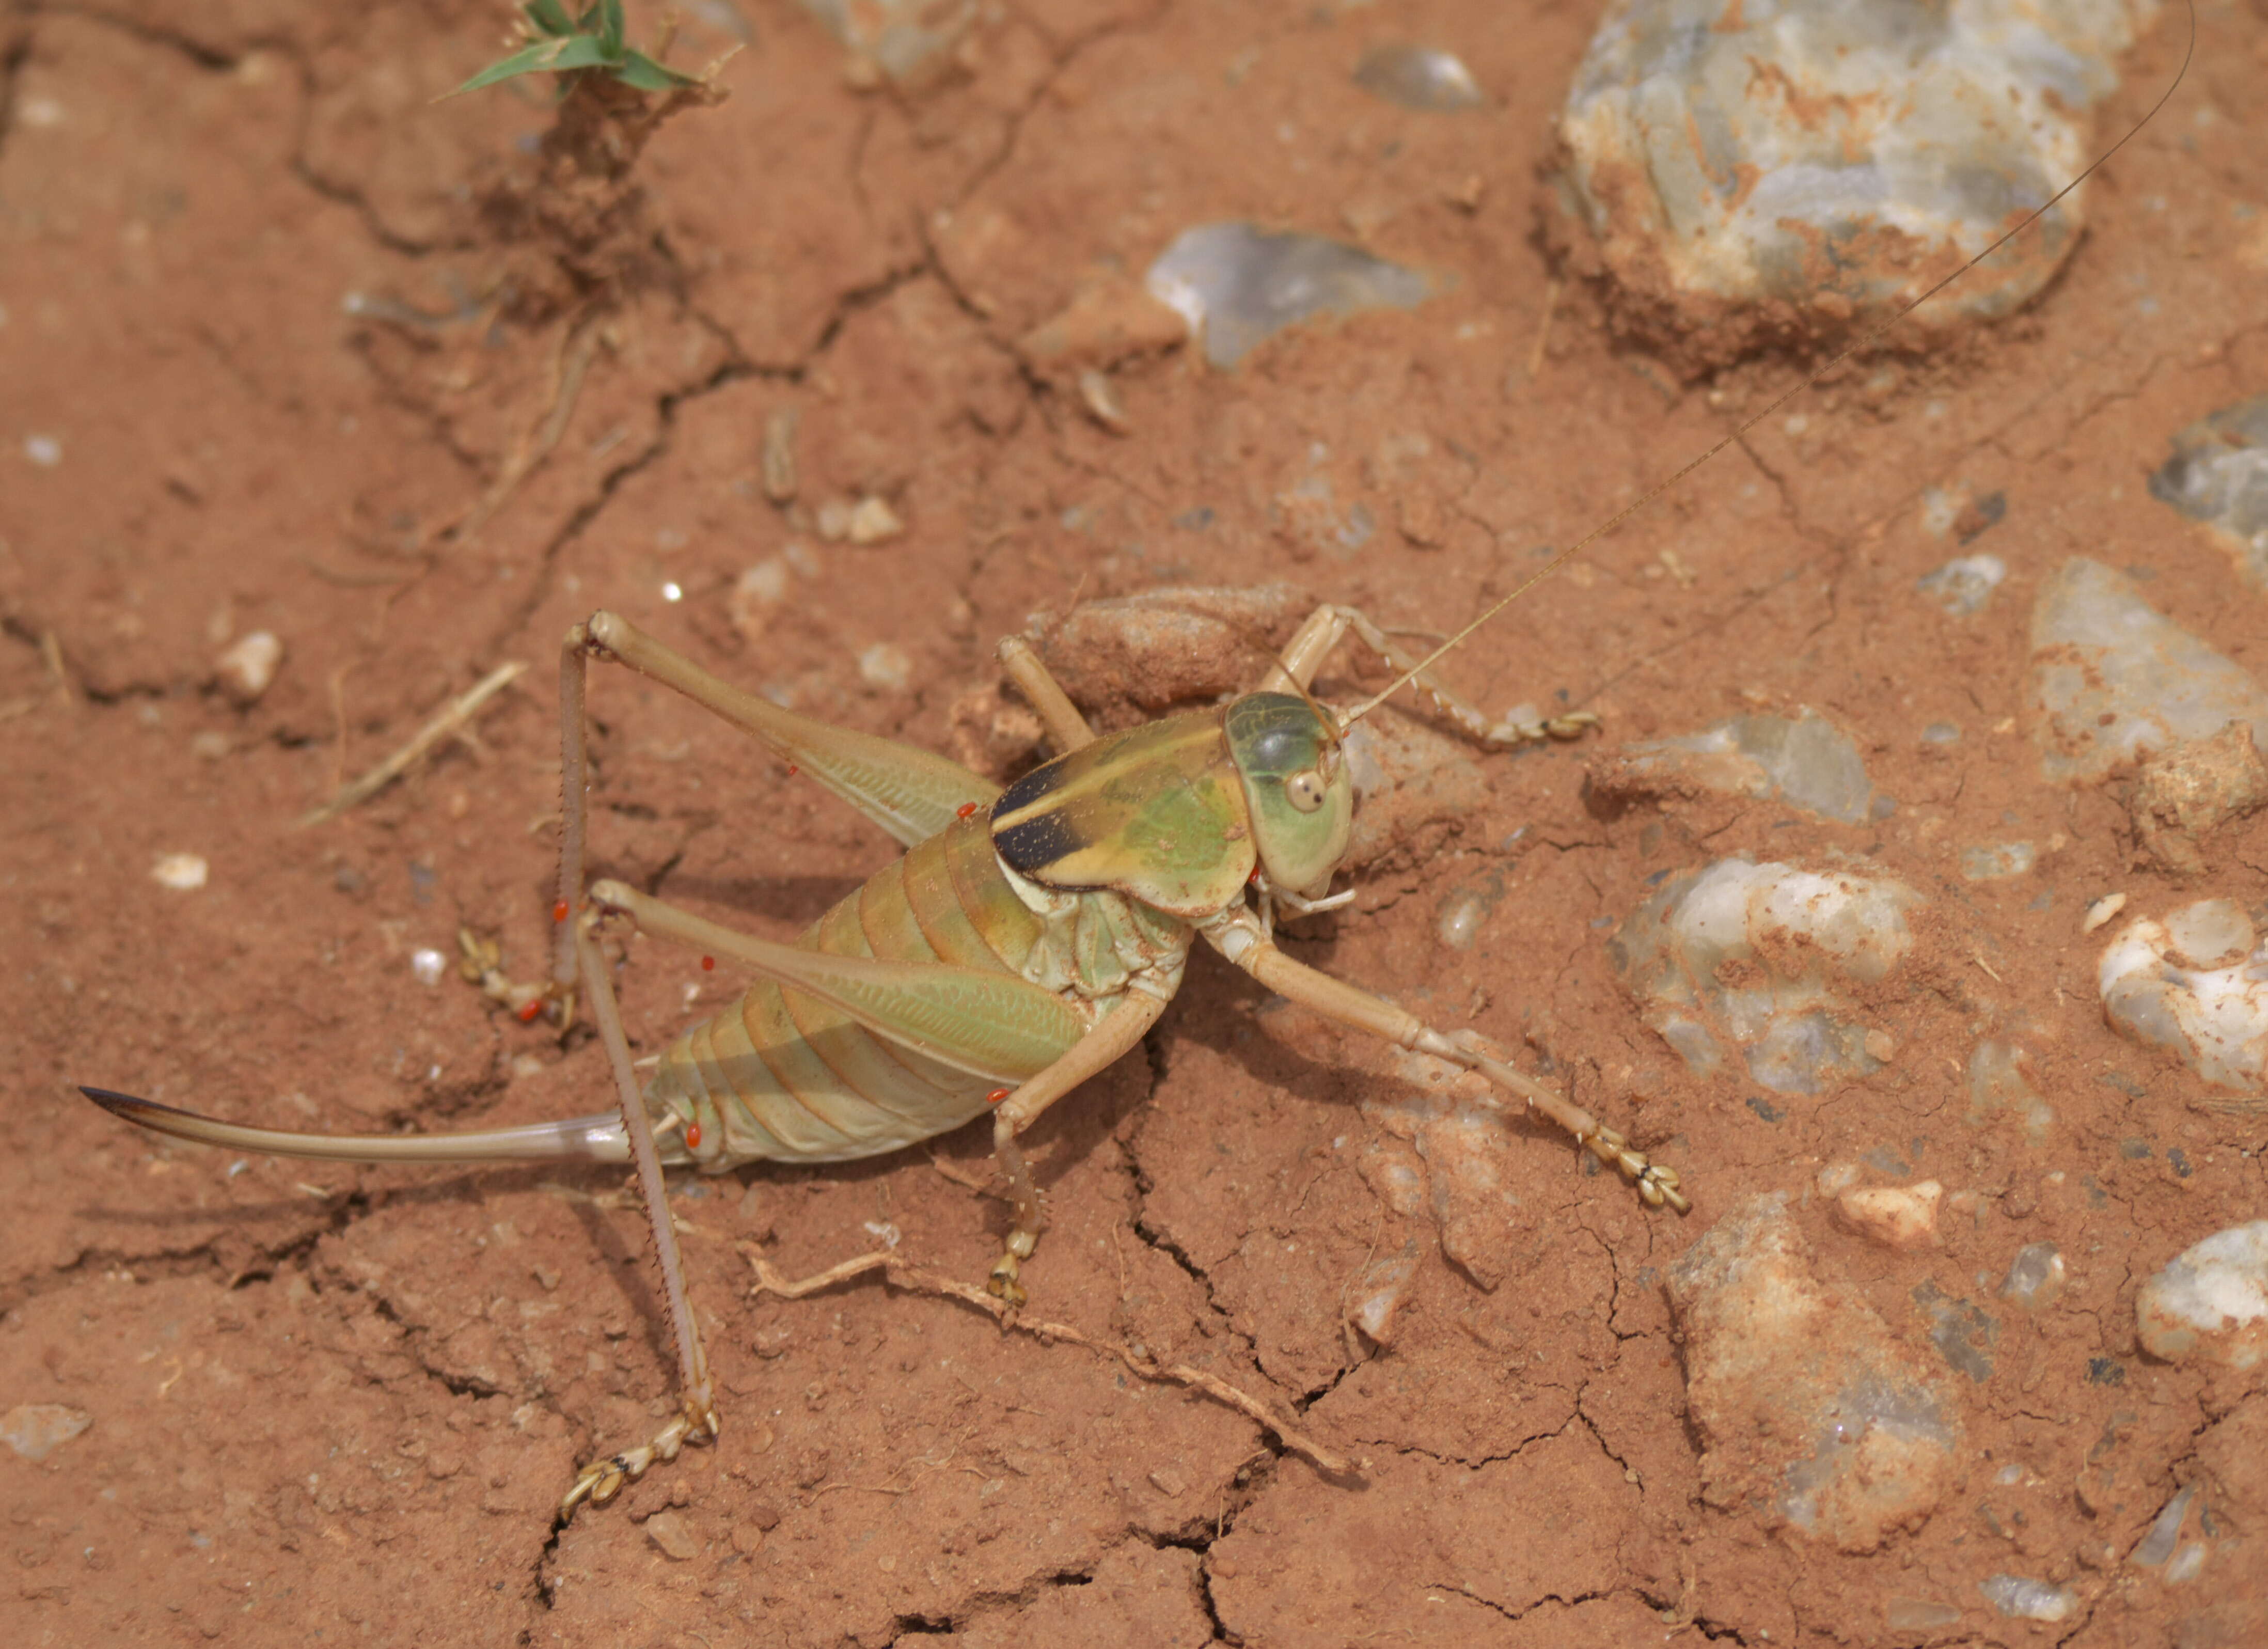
column 781, row 1075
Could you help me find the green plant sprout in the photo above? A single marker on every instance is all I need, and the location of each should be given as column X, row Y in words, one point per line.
column 561, row 44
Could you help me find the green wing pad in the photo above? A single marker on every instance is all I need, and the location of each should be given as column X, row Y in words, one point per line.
column 1156, row 813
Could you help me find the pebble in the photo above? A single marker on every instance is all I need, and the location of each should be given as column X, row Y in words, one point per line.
column 1418, row 77
column 43, row 450
column 1808, row 1409
column 1237, row 286
column 885, row 666
column 1964, row 585
column 2184, row 794
column 1716, row 152
column 1893, row 1216
column 2114, row 680
column 1378, row 1292
column 1762, row 958
column 2209, row 1301
column 2036, row 1276
column 757, row 595
column 1999, row 1080
column 1998, row 861
column 428, row 965
column 2195, row 983
column 873, row 521
column 2020, row 1598
column 248, row 667
column 37, row 1430
column 2218, row 475
column 183, row 873
column 1804, row 760
column 2099, row 913
column 777, row 455
column 673, row 1536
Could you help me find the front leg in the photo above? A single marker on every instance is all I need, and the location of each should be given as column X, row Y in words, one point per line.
column 1237, row 935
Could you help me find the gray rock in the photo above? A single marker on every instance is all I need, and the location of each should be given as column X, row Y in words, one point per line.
column 1804, row 760
column 1767, row 167
column 2219, row 475
column 1418, row 77
column 2113, row 680
column 1761, row 959
column 1812, row 1414
column 1238, row 286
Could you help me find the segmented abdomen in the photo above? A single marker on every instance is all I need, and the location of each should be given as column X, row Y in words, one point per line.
column 781, row 1075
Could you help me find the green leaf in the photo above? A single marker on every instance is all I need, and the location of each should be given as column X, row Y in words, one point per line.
column 529, row 60
column 640, row 72
column 550, row 18
column 610, row 28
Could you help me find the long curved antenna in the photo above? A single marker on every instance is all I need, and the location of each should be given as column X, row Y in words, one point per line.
column 1348, row 719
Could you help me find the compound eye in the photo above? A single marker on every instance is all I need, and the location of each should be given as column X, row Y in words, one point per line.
column 1305, row 790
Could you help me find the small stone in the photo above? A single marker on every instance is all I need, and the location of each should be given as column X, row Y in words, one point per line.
column 1963, row 586
column 670, row 1532
column 43, row 450
column 2020, row 1598
column 1765, row 961
column 2035, row 1277
column 183, row 873
column 1378, row 1291
column 1418, row 77
column 885, row 666
column 2155, row 991
column 427, row 965
column 873, row 521
column 2114, row 680
column 1809, row 1411
column 1895, row 1217
column 1804, row 760
column 2101, row 911
column 2193, row 789
column 36, row 1430
column 757, row 595
column 248, row 667
column 1168, row 1483
column 1099, row 396
column 2210, row 1302
column 2218, row 475
column 2001, row 861
column 1238, row 286
column 778, row 455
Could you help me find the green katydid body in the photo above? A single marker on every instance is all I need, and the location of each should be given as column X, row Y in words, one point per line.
column 1016, row 927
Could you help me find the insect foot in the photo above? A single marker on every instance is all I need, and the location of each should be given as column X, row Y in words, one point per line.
column 600, row 1481
column 1002, row 1284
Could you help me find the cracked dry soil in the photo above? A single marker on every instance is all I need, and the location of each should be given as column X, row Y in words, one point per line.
column 338, row 1405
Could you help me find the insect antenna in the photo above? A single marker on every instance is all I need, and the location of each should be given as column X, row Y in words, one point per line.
column 1347, row 720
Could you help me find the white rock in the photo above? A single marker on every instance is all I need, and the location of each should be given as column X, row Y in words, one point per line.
column 2158, row 990
column 183, row 873
column 248, row 667
column 1761, row 959
column 885, row 666
column 2211, row 1302
column 2020, row 1599
column 1894, row 1216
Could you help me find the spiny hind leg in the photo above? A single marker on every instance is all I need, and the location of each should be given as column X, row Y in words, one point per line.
column 1327, row 626
column 697, row 1420
column 1238, row 936
column 1121, row 1031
